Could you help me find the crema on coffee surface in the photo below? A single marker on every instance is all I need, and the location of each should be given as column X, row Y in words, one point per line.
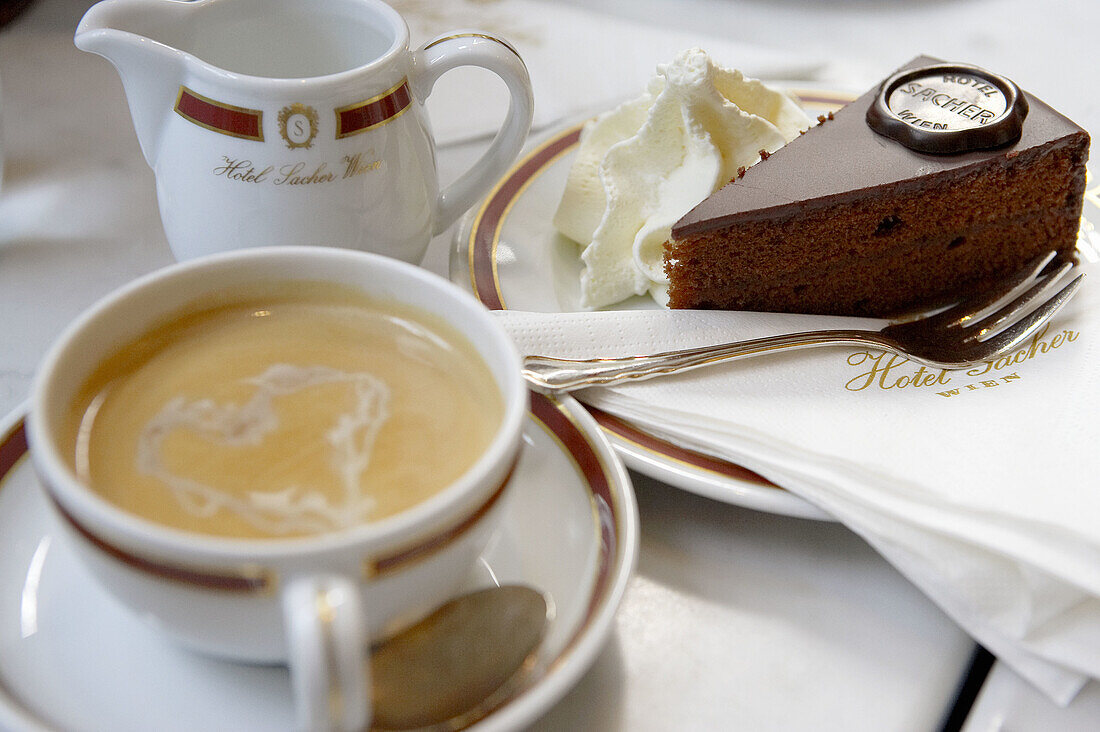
column 301, row 410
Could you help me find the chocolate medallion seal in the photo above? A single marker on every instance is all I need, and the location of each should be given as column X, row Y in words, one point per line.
column 948, row 108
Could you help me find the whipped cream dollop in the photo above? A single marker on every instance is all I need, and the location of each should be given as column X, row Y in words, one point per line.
column 640, row 167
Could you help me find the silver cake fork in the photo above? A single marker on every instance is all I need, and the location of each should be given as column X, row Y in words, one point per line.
column 974, row 330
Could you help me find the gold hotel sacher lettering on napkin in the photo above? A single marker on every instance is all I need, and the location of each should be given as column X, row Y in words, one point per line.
column 883, row 370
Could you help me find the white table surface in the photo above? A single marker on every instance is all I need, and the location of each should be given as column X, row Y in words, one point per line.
column 735, row 619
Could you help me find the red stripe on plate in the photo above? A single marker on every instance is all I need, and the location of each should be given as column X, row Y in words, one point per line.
column 695, row 459
column 483, row 240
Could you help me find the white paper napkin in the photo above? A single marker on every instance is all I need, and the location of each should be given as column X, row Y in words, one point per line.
column 980, row 486
column 579, row 61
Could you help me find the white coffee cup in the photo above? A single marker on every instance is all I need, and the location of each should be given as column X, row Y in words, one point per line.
column 314, row 602
column 297, row 122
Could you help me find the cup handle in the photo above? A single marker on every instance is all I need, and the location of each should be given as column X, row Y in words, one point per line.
column 477, row 49
column 326, row 650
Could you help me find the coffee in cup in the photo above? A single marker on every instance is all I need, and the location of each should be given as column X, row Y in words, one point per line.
column 299, row 409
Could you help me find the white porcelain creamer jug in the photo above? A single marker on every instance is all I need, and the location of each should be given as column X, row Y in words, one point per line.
column 296, row 121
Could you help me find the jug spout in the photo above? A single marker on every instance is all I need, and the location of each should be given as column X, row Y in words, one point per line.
column 124, row 32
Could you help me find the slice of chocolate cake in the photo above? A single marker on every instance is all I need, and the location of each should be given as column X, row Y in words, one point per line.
column 941, row 180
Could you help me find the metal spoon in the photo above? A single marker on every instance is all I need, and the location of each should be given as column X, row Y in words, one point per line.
column 460, row 661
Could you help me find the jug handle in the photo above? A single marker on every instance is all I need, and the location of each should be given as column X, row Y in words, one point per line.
column 488, row 52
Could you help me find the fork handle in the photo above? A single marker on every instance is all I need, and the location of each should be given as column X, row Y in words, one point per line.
column 548, row 375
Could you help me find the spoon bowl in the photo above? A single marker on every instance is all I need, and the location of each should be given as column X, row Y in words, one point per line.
column 461, row 661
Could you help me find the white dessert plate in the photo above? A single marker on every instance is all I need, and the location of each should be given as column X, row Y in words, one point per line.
column 509, row 254
column 507, row 251
column 72, row 658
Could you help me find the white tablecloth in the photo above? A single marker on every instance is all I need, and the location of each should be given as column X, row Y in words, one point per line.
column 735, row 619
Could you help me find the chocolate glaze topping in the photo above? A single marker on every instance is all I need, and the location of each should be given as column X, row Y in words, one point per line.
column 843, row 157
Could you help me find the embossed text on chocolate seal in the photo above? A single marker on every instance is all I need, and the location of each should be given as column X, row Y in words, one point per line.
column 948, row 108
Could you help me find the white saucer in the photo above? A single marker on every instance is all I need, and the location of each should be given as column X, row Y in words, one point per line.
column 508, row 253
column 72, row 658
